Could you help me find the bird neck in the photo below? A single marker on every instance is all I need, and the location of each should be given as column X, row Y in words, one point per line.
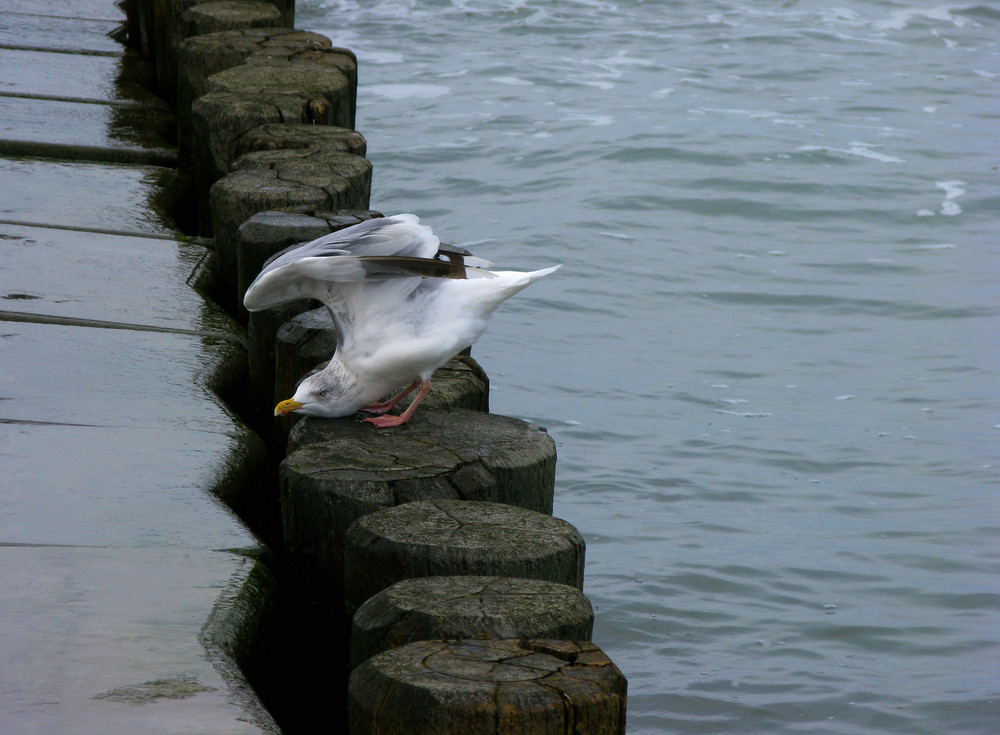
column 342, row 373
column 353, row 389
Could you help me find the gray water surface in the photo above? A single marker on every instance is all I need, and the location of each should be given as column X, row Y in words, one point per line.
column 770, row 362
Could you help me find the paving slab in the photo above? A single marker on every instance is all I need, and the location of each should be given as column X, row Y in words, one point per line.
column 108, row 438
column 112, row 197
column 110, row 534
column 74, row 76
column 107, row 640
column 99, row 276
column 82, row 35
column 84, row 9
column 31, row 120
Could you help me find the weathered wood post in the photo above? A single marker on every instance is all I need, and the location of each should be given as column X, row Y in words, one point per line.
column 170, row 28
column 324, row 180
column 204, row 55
column 494, row 687
column 466, row 593
column 340, row 470
column 430, row 538
column 474, row 607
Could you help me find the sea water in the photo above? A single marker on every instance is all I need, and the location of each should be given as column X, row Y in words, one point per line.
column 771, row 361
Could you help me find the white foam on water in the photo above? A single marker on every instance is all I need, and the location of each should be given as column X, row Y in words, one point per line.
column 899, row 19
column 952, row 190
column 599, row 83
column 513, row 81
column 375, row 56
column 597, row 120
column 862, row 150
column 407, row 91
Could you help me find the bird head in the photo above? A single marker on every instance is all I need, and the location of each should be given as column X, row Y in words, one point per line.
column 319, row 395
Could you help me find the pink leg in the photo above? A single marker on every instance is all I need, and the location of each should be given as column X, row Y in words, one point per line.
column 385, row 421
column 379, row 408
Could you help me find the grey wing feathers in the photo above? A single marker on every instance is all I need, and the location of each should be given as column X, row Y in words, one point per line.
column 387, row 247
column 398, row 235
column 308, row 270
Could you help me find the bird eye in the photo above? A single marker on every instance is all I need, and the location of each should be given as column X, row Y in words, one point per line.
column 323, row 393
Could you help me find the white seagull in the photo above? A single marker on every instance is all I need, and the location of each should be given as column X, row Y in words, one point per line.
column 401, row 308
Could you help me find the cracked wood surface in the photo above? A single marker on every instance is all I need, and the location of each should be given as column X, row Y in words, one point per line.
column 341, row 469
column 457, row 537
column 498, row 686
column 474, row 607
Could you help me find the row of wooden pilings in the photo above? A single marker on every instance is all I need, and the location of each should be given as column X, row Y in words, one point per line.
column 429, row 550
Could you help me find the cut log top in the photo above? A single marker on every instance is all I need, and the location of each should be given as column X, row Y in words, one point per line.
column 442, row 453
column 429, row 538
column 500, row 686
column 460, row 524
column 467, row 435
column 469, row 607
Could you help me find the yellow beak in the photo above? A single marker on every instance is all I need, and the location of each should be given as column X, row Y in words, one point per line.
column 286, row 407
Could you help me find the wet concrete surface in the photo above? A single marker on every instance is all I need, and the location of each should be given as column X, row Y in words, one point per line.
column 70, row 123
column 74, row 76
column 115, row 550
column 83, row 627
column 118, row 198
column 92, row 275
column 53, row 33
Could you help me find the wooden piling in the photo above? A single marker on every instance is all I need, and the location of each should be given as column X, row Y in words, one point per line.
column 474, row 607
column 166, row 19
column 341, row 470
column 264, row 180
column 429, row 538
column 497, row 687
column 204, row 55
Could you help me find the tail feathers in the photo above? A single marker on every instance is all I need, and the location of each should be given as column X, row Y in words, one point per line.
column 535, row 275
column 508, row 283
column 526, row 279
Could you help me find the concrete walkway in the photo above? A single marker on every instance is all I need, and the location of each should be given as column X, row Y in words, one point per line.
column 116, row 556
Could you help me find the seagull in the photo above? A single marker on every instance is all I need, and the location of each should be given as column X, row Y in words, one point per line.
column 401, row 305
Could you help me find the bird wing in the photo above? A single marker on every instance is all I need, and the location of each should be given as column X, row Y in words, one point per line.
column 376, row 265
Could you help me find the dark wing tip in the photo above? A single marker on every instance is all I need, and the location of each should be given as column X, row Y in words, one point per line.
column 406, row 266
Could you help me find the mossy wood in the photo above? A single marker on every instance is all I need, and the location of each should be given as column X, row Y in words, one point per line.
column 504, row 687
column 325, row 84
column 430, row 538
column 473, row 607
column 266, row 180
column 228, row 15
column 344, row 469
column 203, row 56
column 166, row 20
